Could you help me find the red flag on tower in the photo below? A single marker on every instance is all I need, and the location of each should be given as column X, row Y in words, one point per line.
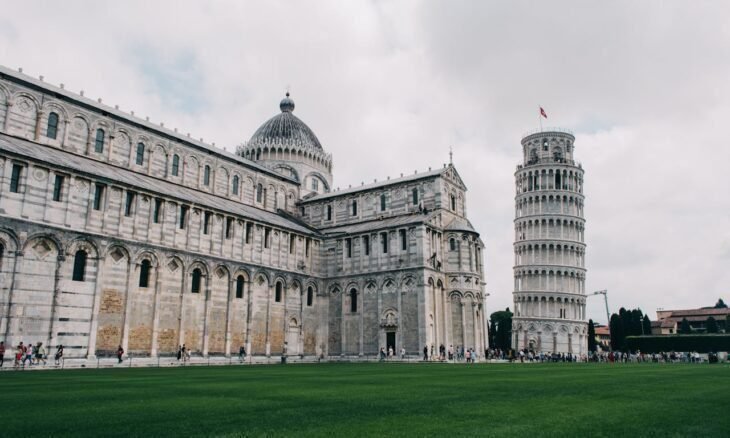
column 543, row 113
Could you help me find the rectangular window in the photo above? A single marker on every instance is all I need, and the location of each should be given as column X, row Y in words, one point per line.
column 140, row 153
column 354, row 208
column 15, row 178
column 415, row 196
column 249, row 231
column 98, row 196
column 229, row 227
column 453, row 203
column 348, row 247
column 306, row 247
column 384, row 241
column 206, row 176
column 156, row 211
column 129, row 205
column 366, row 244
column 382, row 202
column 403, row 240
column 267, row 237
column 206, row 222
column 183, row 216
column 58, row 188
column 329, row 212
column 315, row 184
column 291, row 243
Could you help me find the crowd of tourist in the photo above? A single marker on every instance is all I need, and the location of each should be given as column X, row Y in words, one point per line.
column 29, row 354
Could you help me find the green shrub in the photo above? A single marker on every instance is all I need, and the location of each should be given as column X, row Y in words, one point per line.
column 699, row 343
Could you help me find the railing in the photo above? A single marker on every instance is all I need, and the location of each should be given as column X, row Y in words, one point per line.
column 550, row 160
column 547, row 131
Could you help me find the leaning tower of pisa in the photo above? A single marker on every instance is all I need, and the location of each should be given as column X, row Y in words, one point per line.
column 549, row 294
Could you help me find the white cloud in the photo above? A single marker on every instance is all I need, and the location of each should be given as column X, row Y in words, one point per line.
column 388, row 87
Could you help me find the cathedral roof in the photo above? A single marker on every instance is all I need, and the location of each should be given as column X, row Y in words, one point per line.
column 461, row 224
column 66, row 160
column 285, row 128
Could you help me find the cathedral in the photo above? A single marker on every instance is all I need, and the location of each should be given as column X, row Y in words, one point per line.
column 115, row 231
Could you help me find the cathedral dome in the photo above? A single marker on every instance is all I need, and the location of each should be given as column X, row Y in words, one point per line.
column 285, row 127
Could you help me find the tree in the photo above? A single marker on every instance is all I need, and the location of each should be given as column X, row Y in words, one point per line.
column 727, row 323
column 720, row 304
column 617, row 332
column 711, row 325
column 646, row 324
column 502, row 321
column 591, row 336
column 684, row 327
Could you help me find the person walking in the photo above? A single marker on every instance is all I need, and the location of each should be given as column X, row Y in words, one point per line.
column 2, row 353
column 40, row 354
column 425, row 352
column 242, row 354
column 120, row 353
column 59, row 354
column 179, row 352
column 28, row 354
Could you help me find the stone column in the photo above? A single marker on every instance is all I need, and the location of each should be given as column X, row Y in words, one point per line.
column 6, row 122
column 206, row 313
column 268, row 321
column 37, row 133
column 361, row 309
column 127, row 304
column 229, row 301
column 249, row 311
column 17, row 263
column 463, row 323
column 181, row 317
column 91, row 349
column 64, row 139
column 52, row 339
column 156, row 310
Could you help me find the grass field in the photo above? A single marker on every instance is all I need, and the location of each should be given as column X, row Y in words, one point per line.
column 371, row 399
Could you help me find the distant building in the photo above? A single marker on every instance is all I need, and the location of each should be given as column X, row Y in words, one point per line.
column 603, row 336
column 668, row 321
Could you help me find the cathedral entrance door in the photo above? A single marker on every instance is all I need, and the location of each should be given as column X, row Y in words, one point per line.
column 390, row 342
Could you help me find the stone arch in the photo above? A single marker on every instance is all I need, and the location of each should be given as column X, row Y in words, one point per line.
column 23, row 115
column 121, row 147
column 158, row 157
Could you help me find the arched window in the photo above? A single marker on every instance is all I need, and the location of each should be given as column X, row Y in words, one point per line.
column 452, row 244
column 99, row 143
column 259, row 192
column 206, row 175
column 277, row 297
column 52, row 129
column 382, row 202
column 310, row 296
column 240, row 281
column 235, row 185
column 353, row 301
column 195, row 284
column 2, row 253
column 144, row 273
column 140, row 153
column 175, row 164
column 79, row 265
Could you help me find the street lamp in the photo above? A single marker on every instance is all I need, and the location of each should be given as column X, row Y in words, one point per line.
column 604, row 292
column 485, row 323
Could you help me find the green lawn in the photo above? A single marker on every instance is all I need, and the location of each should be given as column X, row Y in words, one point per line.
column 371, row 399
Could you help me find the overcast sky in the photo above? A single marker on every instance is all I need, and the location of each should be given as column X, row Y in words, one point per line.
column 389, row 86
